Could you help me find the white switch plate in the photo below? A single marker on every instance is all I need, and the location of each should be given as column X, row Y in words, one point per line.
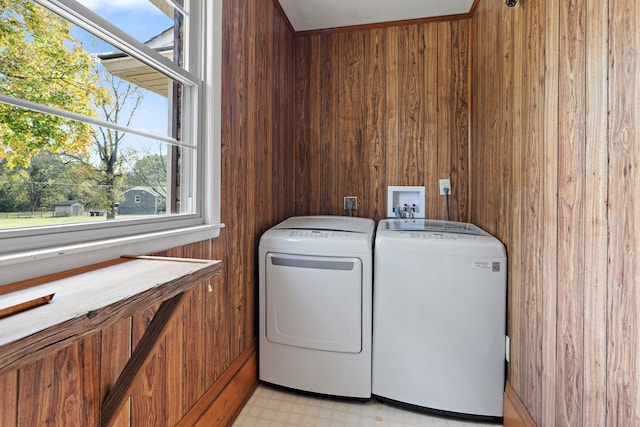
column 445, row 183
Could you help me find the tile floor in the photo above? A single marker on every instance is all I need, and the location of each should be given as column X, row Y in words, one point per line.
column 270, row 407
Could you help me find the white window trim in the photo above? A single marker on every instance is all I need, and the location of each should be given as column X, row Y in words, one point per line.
column 23, row 265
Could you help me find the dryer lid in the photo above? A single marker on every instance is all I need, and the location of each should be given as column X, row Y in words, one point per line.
column 329, row 223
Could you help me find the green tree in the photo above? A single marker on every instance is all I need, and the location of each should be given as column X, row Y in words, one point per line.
column 150, row 171
column 13, row 195
column 108, row 159
column 41, row 62
column 126, row 99
column 43, row 184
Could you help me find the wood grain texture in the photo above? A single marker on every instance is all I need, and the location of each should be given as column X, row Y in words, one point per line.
column 623, row 219
column 551, row 146
column 231, row 400
column 571, row 176
column 380, row 107
column 554, row 160
column 515, row 413
column 221, row 403
column 596, row 171
column 204, row 340
column 24, row 305
column 8, row 404
column 116, row 347
column 568, row 81
column 151, row 339
column 92, row 301
column 71, row 370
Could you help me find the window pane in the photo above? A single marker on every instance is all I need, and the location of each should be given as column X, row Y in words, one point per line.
column 100, row 184
column 158, row 16
column 57, row 170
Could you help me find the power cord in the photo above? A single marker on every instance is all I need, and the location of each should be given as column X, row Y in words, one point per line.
column 446, row 209
column 349, row 207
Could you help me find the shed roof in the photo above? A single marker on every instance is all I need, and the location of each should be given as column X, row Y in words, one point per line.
column 67, row 203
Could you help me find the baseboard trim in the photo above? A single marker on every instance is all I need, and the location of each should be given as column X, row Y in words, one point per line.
column 515, row 413
column 223, row 401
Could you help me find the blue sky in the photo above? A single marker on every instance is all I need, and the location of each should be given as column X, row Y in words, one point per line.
column 139, row 18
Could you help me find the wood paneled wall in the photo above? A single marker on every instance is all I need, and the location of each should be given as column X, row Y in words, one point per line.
column 211, row 329
column 381, row 107
column 555, row 156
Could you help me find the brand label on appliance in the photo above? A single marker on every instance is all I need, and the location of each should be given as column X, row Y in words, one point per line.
column 486, row 265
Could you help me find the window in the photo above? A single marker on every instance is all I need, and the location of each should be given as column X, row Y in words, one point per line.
column 98, row 100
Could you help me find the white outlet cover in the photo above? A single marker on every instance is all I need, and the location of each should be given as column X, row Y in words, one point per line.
column 445, row 183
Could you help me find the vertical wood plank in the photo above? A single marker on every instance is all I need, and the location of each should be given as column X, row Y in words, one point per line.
column 9, row 402
column 596, row 241
column 374, row 183
column 531, row 229
column 114, row 353
column 571, row 190
column 184, row 379
column 350, row 115
column 219, row 321
column 550, row 237
column 411, row 142
column 623, row 342
column 263, row 106
column 52, row 390
column 392, row 113
column 446, row 119
column 459, row 144
column 432, row 83
column 148, row 393
column 302, row 136
column 331, row 142
column 320, row 78
column 514, row 89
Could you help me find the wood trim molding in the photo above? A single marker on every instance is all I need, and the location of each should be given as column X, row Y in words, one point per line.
column 284, row 16
column 221, row 404
column 375, row 24
column 515, row 413
column 445, row 18
column 473, row 8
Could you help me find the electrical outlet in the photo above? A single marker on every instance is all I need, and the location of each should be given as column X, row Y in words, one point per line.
column 445, row 183
column 353, row 200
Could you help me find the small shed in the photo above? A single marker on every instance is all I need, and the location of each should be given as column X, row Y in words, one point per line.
column 68, row 208
column 140, row 201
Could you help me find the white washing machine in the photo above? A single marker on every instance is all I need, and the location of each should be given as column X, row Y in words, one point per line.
column 315, row 299
column 439, row 317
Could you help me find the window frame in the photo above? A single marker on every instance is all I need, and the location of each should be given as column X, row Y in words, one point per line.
column 32, row 252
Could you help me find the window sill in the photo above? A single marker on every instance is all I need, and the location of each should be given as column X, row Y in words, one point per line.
column 92, row 300
column 21, row 266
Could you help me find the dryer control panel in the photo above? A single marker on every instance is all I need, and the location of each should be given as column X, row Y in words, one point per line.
column 317, row 233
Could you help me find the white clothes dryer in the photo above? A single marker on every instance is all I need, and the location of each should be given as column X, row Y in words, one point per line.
column 315, row 300
column 439, row 317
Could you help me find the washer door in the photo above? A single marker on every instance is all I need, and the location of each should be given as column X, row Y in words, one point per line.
column 314, row 302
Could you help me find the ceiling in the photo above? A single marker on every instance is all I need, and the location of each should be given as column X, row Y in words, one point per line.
column 307, row 15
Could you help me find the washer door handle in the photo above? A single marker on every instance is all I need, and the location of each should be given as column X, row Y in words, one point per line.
column 312, row 263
